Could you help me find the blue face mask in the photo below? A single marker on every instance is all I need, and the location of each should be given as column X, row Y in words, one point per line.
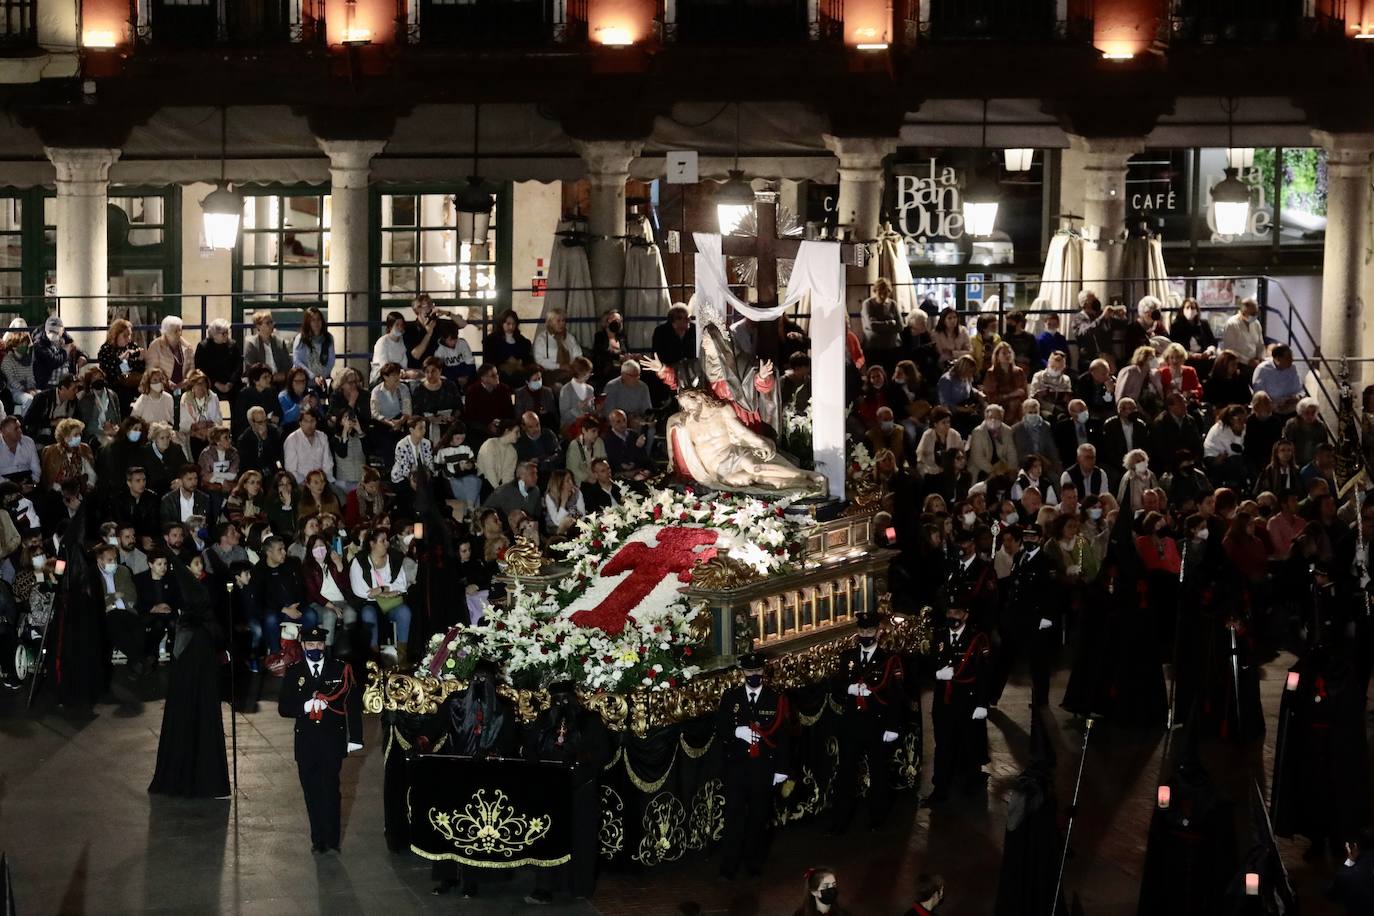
column 535, row 384
column 314, row 655
column 134, row 435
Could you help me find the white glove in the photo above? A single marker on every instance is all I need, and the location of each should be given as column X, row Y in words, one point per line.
column 354, row 746
column 945, row 674
column 312, row 705
column 1045, row 623
column 980, row 712
column 779, row 778
column 863, row 689
column 746, row 734
column 853, row 690
column 889, row 737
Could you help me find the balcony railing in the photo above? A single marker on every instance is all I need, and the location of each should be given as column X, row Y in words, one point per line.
column 1000, row 20
column 243, row 23
column 493, row 23
column 18, row 26
column 750, row 21
column 1250, row 21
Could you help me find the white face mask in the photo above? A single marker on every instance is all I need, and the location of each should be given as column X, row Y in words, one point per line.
column 155, row 387
column 38, row 560
column 112, row 541
column 1202, row 534
column 1032, row 420
column 1082, row 416
column 1053, row 372
column 109, row 568
column 968, row 518
column 1142, row 470
column 396, row 335
column 1012, row 518
column 1094, row 514
column 73, row 441
column 55, row 336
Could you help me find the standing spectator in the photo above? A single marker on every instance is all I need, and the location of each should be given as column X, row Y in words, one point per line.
column 313, row 350
column 1278, row 378
column 221, row 359
column 55, row 354
column 278, row 595
column 555, row 348
column 346, row 442
column 882, row 325
column 508, row 349
column 307, row 450
column 1083, row 326
column 1243, row 334
column 170, row 353
column 390, row 349
column 263, row 346
column 1306, row 431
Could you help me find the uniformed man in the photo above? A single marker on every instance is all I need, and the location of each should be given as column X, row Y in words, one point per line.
column 321, row 695
column 1028, row 626
column 974, row 576
column 868, row 686
column 568, row 733
column 752, row 726
column 959, row 707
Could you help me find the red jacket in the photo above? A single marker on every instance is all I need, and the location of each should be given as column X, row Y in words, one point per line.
column 1155, row 561
column 1191, row 386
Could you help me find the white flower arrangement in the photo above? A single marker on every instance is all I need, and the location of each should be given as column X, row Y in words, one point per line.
column 535, row 640
column 860, row 459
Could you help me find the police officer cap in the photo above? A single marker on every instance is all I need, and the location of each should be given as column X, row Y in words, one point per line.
column 314, row 634
column 751, row 661
column 867, row 620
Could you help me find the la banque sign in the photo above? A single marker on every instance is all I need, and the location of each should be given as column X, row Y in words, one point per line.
column 929, row 207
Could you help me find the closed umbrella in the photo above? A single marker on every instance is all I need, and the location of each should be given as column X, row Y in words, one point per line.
column 570, row 282
column 1061, row 279
column 893, row 264
column 1142, row 269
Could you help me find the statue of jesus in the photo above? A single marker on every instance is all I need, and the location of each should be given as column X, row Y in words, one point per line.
column 732, row 375
column 709, row 443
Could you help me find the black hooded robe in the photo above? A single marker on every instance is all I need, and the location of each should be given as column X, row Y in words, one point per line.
column 1190, row 856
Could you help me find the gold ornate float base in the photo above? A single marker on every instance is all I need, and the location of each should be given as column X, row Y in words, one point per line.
column 798, row 664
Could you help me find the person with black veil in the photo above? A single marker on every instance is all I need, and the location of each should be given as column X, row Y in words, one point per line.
column 439, row 581
column 481, row 725
column 1136, row 688
column 568, row 733
column 1191, row 851
column 191, row 761
column 1031, row 850
column 78, row 665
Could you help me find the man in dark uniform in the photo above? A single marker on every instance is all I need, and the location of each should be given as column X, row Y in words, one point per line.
column 1028, row 624
column 320, row 694
column 868, row 686
column 959, row 707
column 567, row 733
column 752, row 727
column 973, row 576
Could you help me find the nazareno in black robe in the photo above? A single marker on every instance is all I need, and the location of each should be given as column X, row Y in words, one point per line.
column 80, row 660
column 191, row 760
column 1033, row 844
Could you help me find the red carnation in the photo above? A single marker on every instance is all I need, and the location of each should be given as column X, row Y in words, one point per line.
column 682, row 517
column 781, row 513
column 687, row 651
column 596, row 544
column 658, row 629
column 606, row 659
column 672, row 682
column 649, row 674
column 658, row 512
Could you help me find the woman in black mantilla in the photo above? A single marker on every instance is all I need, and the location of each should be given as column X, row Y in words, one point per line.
column 79, row 665
column 190, row 751
column 481, row 724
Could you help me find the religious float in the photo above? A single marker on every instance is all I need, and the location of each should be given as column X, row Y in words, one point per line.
column 645, row 611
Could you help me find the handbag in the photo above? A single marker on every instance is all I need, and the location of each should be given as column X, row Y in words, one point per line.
column 388, row 603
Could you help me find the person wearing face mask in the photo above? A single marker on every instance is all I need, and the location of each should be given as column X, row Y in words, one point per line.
column 991, row 448
column 569, row 734
column 868, row 685
column 1034, row 435
column 822, row 894
column 887, row 435
column 962, row 661
column 54, row 353
column 322, row 696
column 1076, row 428
column 752, row 726
column 68, row 458
column 1136, row 482
column 124, row 625
column 191, row 761
column 1244, row 334
column 17, row 366
column 972, row 575
column 98, row 408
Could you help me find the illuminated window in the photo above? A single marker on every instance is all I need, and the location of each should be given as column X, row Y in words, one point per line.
column 283, row 250
column 420, row 251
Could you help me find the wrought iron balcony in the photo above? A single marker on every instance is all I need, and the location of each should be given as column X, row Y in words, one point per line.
column 18, row 26
column 1251, row 21
column 493, row 23
column 750, row 21
column 998, row 20
column 241, row 23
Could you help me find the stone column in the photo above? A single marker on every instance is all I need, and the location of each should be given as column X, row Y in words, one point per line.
column 860, row 201
column 83, row 183
column 608, row 167
column 1345, row 329
column 1103, row 179
column 350, row 282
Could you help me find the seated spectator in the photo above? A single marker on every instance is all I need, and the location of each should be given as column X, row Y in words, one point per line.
column 348, row 394
column 563, row 506
column 282, row 503
column 219, row 461
column 489, row 402
column 628, row 394
column 520, row 494
column 627, row 450
column 98, row 408
column 1005, row 383
column 935, row 441
column 171, row 354
column 258, row 392
column 1192, row 332
column 991, row 451
column 260, row 445
column 200, row 411
column 675, row 339
column 534, row 396
column 121, row 360
column 49, row 408
column 1306, row 431
column 1025, row 350
column 55, row 354
column 1223, row 451
column 577, row 398
column 1177, row 376
column 1035, row 476
column 390, row 408
column 368, row 504
column 1226, row 385
column 1136, row 482
column 435, row 398
column 1096, row 389
column 136, row 507
column 278, row 597
column 951, row 339
column 958, row 396
column 555, row 349
column 1050, row 341
column 1084, row 477
column 1033, row 436
column 316, row 498
column 154, row 404
column 327, row 587
column 1122, row 433
column 600, row 491
column 584, row 449
column 226, row 551
column 297, row 399
column 497, row 458
column 508, row 349
column 885, row 434
column 1322, row 467
column 985, row 340
column 187, row 501
column 313, row 349
column 872, row 398
column 796, row 384
column 220, row 357
column 17, row 366
column 1282, row 475
column 265, row 348
column 346, row 443
column 1052, row 386
column 537, row 444
column 390, row 349
column 163, row 458
column 456, row 463
column 413, row 452
column 307, row 449
column 609, row 347
column 246, row 504
column 18, row 453
column 68, row 458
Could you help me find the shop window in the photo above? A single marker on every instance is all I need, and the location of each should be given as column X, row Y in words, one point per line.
column 11, row 250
